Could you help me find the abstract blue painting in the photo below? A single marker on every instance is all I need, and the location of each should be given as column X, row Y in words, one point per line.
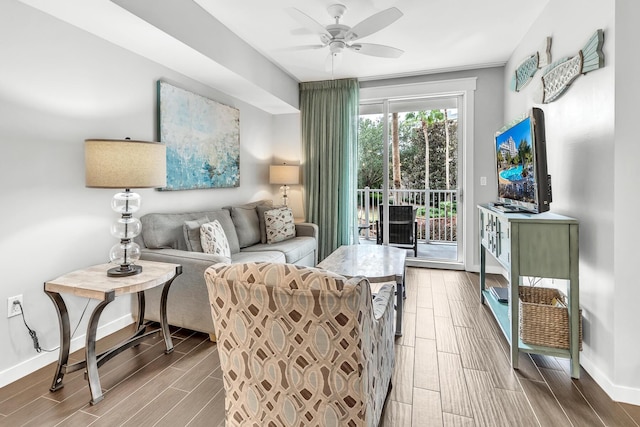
column 202, row 138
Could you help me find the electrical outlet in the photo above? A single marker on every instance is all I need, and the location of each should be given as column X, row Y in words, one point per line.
column 13, row 308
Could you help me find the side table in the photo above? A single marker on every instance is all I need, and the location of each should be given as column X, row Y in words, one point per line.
column 94, row 283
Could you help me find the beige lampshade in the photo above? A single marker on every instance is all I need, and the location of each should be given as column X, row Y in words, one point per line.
column 284, row 174
column 112, row 163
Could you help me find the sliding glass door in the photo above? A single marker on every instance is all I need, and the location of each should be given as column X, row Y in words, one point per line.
column 409, row 147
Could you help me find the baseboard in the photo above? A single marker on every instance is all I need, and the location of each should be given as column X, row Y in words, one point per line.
column 41, row 360
column 443, row 265
column 490, row 269
column 616, row 392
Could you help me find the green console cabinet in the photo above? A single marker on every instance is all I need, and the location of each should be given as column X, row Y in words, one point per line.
column 534, row 245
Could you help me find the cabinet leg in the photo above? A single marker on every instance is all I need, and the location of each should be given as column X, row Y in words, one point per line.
column 483, row 272
column 514, row 310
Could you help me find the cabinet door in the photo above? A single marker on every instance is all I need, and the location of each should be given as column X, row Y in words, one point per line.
column 484, row 228
column 491, row 234
column 503, row 236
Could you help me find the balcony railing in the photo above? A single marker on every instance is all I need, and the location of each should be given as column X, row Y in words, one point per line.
column 435, row 212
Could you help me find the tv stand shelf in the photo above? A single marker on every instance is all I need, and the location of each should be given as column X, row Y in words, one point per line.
column 534, row 245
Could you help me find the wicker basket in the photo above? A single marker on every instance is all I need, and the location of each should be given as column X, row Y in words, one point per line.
column 540, row 322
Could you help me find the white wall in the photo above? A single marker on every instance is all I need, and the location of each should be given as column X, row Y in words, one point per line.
column 593, row 169
column 58, row 86
column 626, row 202
column 287, row 149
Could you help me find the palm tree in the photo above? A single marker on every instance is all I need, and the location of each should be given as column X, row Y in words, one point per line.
column 395, row 158
column 425, row 118
column 446, row 149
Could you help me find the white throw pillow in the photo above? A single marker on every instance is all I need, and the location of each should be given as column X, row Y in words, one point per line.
column 213, row 239
column 279, row 225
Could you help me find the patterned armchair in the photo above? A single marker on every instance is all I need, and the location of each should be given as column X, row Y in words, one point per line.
column 301, row 346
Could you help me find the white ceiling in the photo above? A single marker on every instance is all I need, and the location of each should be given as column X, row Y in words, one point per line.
column 435, row 35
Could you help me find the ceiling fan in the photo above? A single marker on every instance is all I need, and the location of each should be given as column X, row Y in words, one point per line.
column 339, row 37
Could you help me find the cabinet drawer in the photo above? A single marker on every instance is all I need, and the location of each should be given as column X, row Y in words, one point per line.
column 544, row 250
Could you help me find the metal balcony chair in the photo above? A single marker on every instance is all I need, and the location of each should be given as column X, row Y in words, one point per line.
column 403, row 227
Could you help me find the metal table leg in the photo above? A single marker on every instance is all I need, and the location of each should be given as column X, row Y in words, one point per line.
column 90, row 350
column 65, row 339
column 164, row 325
column 399, row 305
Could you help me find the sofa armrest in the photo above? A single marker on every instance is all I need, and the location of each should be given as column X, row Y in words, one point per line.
column 307, row 229
column 193, row 263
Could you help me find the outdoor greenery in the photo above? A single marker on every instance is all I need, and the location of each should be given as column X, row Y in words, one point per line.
column 421, row 143
column 411, row 144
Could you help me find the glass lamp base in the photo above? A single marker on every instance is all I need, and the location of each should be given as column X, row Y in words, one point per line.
column 124, row 270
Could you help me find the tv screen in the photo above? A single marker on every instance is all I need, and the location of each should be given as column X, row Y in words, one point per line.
column 521, row 160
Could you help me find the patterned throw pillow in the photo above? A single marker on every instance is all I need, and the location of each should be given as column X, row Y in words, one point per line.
column 279, row 225
column 213, row 239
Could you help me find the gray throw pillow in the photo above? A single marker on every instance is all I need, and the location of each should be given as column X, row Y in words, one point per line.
column 247, row 226
column 192, row 234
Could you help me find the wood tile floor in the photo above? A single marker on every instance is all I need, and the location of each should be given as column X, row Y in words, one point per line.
column 451, row 370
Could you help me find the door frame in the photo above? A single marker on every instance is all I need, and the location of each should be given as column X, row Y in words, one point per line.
column 464, row 89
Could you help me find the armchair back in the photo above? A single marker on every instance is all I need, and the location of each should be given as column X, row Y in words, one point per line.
column 301, row 345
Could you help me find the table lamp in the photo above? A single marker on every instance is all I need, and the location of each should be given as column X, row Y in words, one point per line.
column 284, row 175
column 125, row 164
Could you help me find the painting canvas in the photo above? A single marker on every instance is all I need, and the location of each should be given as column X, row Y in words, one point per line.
column 202, row 138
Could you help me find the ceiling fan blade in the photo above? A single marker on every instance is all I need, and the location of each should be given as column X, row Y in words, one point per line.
column 374, row 23
column 377, row 50
column 302, row 47
column 308, row 22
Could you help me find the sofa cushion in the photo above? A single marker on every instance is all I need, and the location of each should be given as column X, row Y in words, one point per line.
column 247, row 227
column 165, row 230
column 214, row 240
column 279, row 225
column 293, row 249
column 263, row 202
column 253, row 205
column 191, row 231
column 265, row 256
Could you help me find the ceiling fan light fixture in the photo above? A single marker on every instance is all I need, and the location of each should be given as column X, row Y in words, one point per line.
column 337, row 46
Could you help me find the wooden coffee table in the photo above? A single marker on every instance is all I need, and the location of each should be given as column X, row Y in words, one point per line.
column 375, row 262
column 94, row 283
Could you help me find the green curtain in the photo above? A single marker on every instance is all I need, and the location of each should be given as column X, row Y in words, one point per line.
column 329, row 121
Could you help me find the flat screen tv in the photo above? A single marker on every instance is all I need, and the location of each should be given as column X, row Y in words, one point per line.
column 521, row 160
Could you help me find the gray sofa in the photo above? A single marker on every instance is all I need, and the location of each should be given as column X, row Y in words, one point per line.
column 175, row 238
